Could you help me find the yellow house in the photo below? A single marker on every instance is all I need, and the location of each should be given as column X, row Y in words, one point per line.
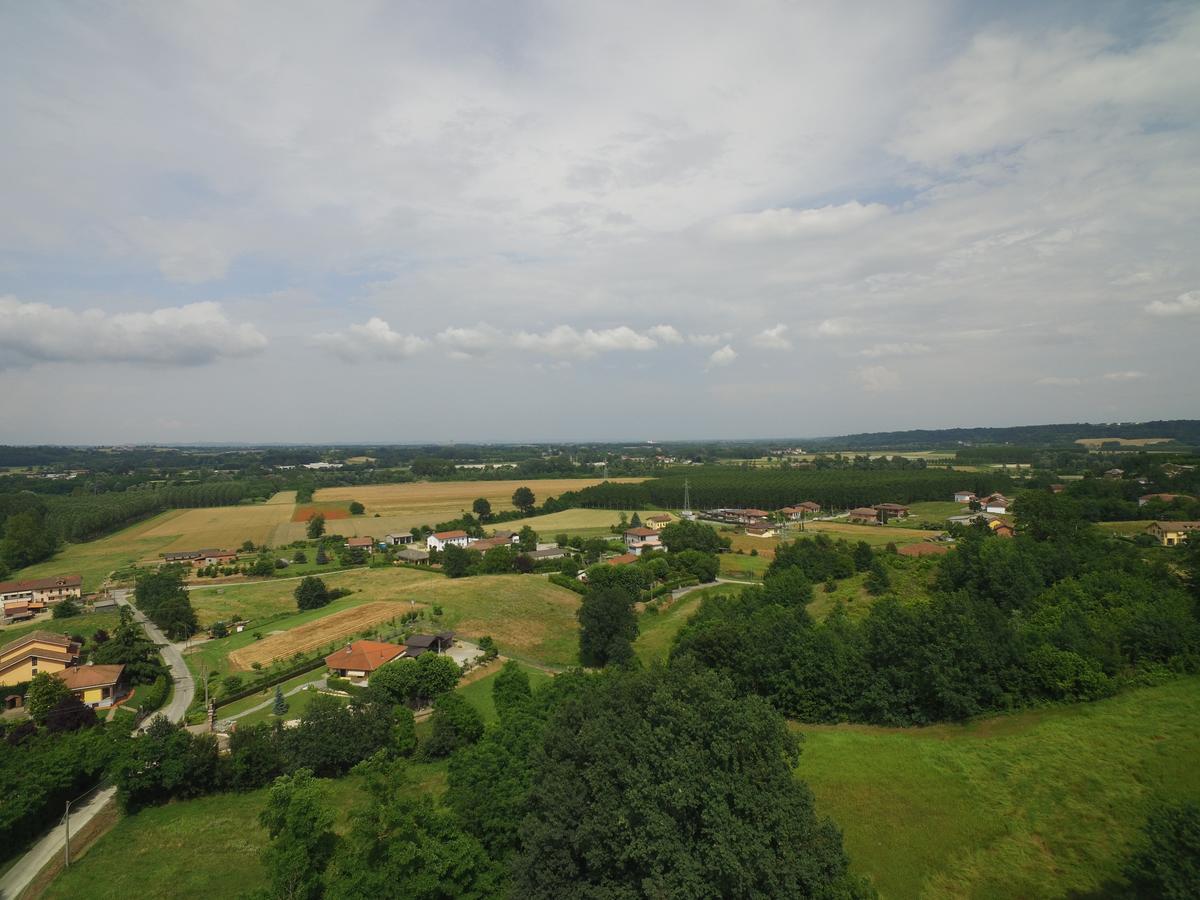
column 36, row 652
column 1171, row 534
column 658, row 522
column 94, row 685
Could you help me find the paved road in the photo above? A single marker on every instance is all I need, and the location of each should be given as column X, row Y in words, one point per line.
column 52, row 843
column 676, row 594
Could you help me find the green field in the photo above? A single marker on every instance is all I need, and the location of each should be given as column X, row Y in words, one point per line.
column 743, row 566
column 232, row 709
column 297, row 704
column 582, row 522
column 912, row 579
column 1037, row 804
column 1129, row 529
column 94, row 560
column 479, row 693
column 656, row 630
column 85, row 624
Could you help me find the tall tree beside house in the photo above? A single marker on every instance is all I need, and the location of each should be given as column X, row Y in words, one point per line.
column 635, row 521
column 316, row 526
column 482, row 507
column 456, row 562
column 527, row 539
column 44, row 693
column 524, row 500
column 607, row 625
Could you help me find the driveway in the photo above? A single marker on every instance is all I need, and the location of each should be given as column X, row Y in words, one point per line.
column 17, row 878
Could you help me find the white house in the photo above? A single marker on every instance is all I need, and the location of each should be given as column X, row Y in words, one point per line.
column 639, row 539
column 964, row 496
column 996, row 503
column 442, row 539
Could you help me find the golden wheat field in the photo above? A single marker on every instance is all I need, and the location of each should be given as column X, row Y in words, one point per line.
column 318, row 633
column 222, row 527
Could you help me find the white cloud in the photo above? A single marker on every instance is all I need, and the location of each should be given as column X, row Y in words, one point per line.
column 785, row 224
column 772, row 338
column 839, row 327
column 1123, row 376
column 666, row 334
column 894, row 349
column 565, row 340
column 706, row 340
column 373, row 340
column 185, row 335
column 1184, row 305
column 468, row 342
column 876, row 379
column 722, row 357
column 1060, row 381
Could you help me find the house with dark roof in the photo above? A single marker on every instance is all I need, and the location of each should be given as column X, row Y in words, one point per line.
column 416, row 644
column 97, row 686
column 864, row 515
column 411, row 555
column 38, row 593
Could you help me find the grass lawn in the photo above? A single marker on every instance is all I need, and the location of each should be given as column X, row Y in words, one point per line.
column 1041, row 803
column 232, row 709
column 479, row 693
column 297, row 704
column 1127, row 529
column 743, row 565
column 94, row 560
column 208, row 847
column 656, row 630
column 911, row 582
column 84, row 624
column 875, row 535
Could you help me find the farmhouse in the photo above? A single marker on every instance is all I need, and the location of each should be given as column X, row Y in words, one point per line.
column 658, row 522
column 442, row 539
column 36, row 652
column 360, row 658
column 963, row 496
column 201, row 557
column 411, row 555
column 361, row 543
column 972, row 518
column 800, row 510
column 623, row 560
column 1057, row 488
column 761, row 531
column 416, row 644
column 1162, row 498
column 996, row 503
column 97, row 686
column 499, row 539
column 864, row 515
column 38, row 593
column 395, row 539
column 890, row 511
column 643, row 538
column 1169, row 534
column 1114, row 473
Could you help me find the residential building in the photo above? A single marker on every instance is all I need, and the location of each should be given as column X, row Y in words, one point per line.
column 623, row 560
column 442, row 539
column 1001, row 529
column 34, row 653
column 864, row 515
column 360, row 658
column 416, row 644
column 793, row 513
column 810, row 506
column 658, row 522
column 510, row 536
column 1170, row 534
column 996, row 503
column 201, row 557
column 1057, row 488
column 395, row 539
column 972, row 518
column 640, row 539
column 547, row 553
column 38, row 593
column 762, row 531
column 483, row 545
column 1114, row 473
column 890, row 511
column 964, row 496
column 366, row 542
column 97, row 686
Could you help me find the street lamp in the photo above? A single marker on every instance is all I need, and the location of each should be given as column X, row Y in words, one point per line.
column 67, row 826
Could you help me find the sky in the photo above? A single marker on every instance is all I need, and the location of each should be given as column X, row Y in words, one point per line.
column 408, row 222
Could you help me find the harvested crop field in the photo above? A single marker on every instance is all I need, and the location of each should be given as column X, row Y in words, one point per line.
column 328, row 510
column 429, row 502
column 222, row 527
column 312, row 635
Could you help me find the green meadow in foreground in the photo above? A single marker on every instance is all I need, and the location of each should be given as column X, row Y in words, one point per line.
column 1038, row 804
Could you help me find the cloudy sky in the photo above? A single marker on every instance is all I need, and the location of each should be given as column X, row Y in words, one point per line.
column 521, row 220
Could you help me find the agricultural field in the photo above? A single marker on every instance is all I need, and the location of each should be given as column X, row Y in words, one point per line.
column 311, row 636
column 529, row 618
column 284, row 498
column 931, row 511
column 94, row 560
column 223, row 527
column 743, row 566
column 875, row 535
column 1128, row 529
column 403, row 506
column 1040, row 803
column 583, row 522
column 1094, row 443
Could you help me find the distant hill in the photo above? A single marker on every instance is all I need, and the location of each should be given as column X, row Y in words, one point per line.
column 1184, row 432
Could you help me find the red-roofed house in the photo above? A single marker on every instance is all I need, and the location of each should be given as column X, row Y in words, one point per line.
column 361, row 543
column 864, row 515
column 1162, row 498
column 623, row 560
column 361, row 658
column 38, row 593
column 639, row 539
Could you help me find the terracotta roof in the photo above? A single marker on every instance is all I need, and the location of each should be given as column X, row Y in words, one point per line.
column 659, row 518
column 623, row 559
column 641, row 532
column 890, row 506
column 1176, row 526
column 39, row 584
column 360, row 542
column 757, row 513
column 1165, row 498
column 77, row 678
column 864, row 512
column 923, row 549
column 810, row 505
column 363, row 656
column 447, row 535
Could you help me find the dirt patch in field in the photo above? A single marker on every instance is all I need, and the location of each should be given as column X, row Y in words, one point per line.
column 525, row 635
column 313, row 635
column 304, row 513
